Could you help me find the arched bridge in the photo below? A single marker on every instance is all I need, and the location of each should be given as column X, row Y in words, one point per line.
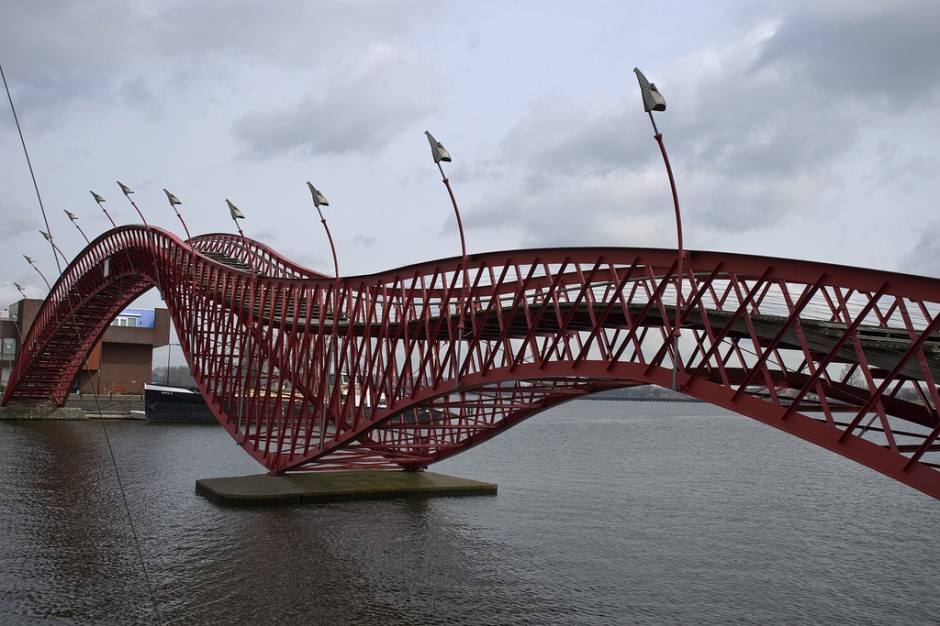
column 410, row 366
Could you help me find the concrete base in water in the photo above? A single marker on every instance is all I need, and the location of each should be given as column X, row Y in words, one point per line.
column 41, row 413
column 316, row 487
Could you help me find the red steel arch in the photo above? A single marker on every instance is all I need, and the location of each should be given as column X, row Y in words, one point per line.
column 311, row 372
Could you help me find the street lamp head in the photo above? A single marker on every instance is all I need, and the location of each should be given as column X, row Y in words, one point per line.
column 172, row 199
column 97, row 198
column 71, row 215
column 127, row 190
column 46, row 235
column 438, row 151
column 234, row 210
column 29, row 260
column 318, row 198
column 652, row 99
column 18, row 286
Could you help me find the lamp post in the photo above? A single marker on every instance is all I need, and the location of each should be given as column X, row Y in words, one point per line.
column 236, row 214
column 174, row 202
column 48, row 238
column 101, row 202
column 74, row 219
column 19, row 314
column 38, row 271
column 320, row 200
column 127, row 191
column 440, row 153
column 127, row 194
column 653, row 101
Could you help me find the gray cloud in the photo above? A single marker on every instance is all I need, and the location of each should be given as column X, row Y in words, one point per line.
column 557, row 137
column 15, row 222
column 893, row 169
column 359, row 110
column 888, row 50
column 758, row 131
column 363, row 240
column 924, row 257
column 60, row 55
column 779, row 113
column 583, row 210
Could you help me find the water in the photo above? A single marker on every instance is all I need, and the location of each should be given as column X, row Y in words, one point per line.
column 608, row 513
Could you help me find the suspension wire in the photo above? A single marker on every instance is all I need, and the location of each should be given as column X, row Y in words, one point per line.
column 78, row 334
column 130, row 518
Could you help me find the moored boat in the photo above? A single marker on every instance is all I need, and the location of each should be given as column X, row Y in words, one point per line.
column 175, row 404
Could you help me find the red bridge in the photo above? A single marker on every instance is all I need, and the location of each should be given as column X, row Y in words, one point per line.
column 407, row 367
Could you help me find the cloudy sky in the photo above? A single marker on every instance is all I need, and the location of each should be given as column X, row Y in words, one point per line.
column 796, row 129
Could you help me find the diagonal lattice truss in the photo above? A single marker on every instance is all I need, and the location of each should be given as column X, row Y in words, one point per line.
column 407, row 367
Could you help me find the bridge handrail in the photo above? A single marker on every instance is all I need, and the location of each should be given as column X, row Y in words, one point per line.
column 527, row 330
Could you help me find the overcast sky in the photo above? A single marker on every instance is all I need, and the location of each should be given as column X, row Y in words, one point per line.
column 796, row 129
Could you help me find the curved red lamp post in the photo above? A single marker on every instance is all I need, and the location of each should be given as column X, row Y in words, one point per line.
column 38, row 271
column 174, row 202
column 246, row 346
column 54, row 247
column 74, row 219
column 320, row 200
column 653, row 101
column 440, row 153
column 127, row 194
column 101, row 202
column 17, row 320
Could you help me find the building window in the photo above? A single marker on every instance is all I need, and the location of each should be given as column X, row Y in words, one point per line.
column 130, row 322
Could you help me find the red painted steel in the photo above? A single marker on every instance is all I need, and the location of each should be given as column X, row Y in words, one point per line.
column 306, row 372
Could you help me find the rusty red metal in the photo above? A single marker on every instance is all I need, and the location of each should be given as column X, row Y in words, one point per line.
column 309, row 373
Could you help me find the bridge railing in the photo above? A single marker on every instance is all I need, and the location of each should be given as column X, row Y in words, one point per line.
column 409, row 366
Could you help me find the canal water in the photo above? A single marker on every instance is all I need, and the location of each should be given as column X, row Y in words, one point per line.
column 608, row 513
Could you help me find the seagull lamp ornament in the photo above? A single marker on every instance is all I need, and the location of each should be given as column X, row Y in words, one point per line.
column 235, row 211
column 438, row 151
column 318, row 198
column 652, row 99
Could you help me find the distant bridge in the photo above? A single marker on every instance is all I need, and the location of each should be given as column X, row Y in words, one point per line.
column 406, row 367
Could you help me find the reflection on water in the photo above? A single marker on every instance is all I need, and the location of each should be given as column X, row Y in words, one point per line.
column 608, row 512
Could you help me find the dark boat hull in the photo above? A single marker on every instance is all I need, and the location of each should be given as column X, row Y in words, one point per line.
column 173, row 404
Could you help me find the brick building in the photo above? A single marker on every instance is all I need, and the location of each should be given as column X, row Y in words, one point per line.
column 120, row 363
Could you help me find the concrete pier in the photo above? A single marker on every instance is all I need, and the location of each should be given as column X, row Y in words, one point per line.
column 79, row 407
column 36, row 413
column 317, row 487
